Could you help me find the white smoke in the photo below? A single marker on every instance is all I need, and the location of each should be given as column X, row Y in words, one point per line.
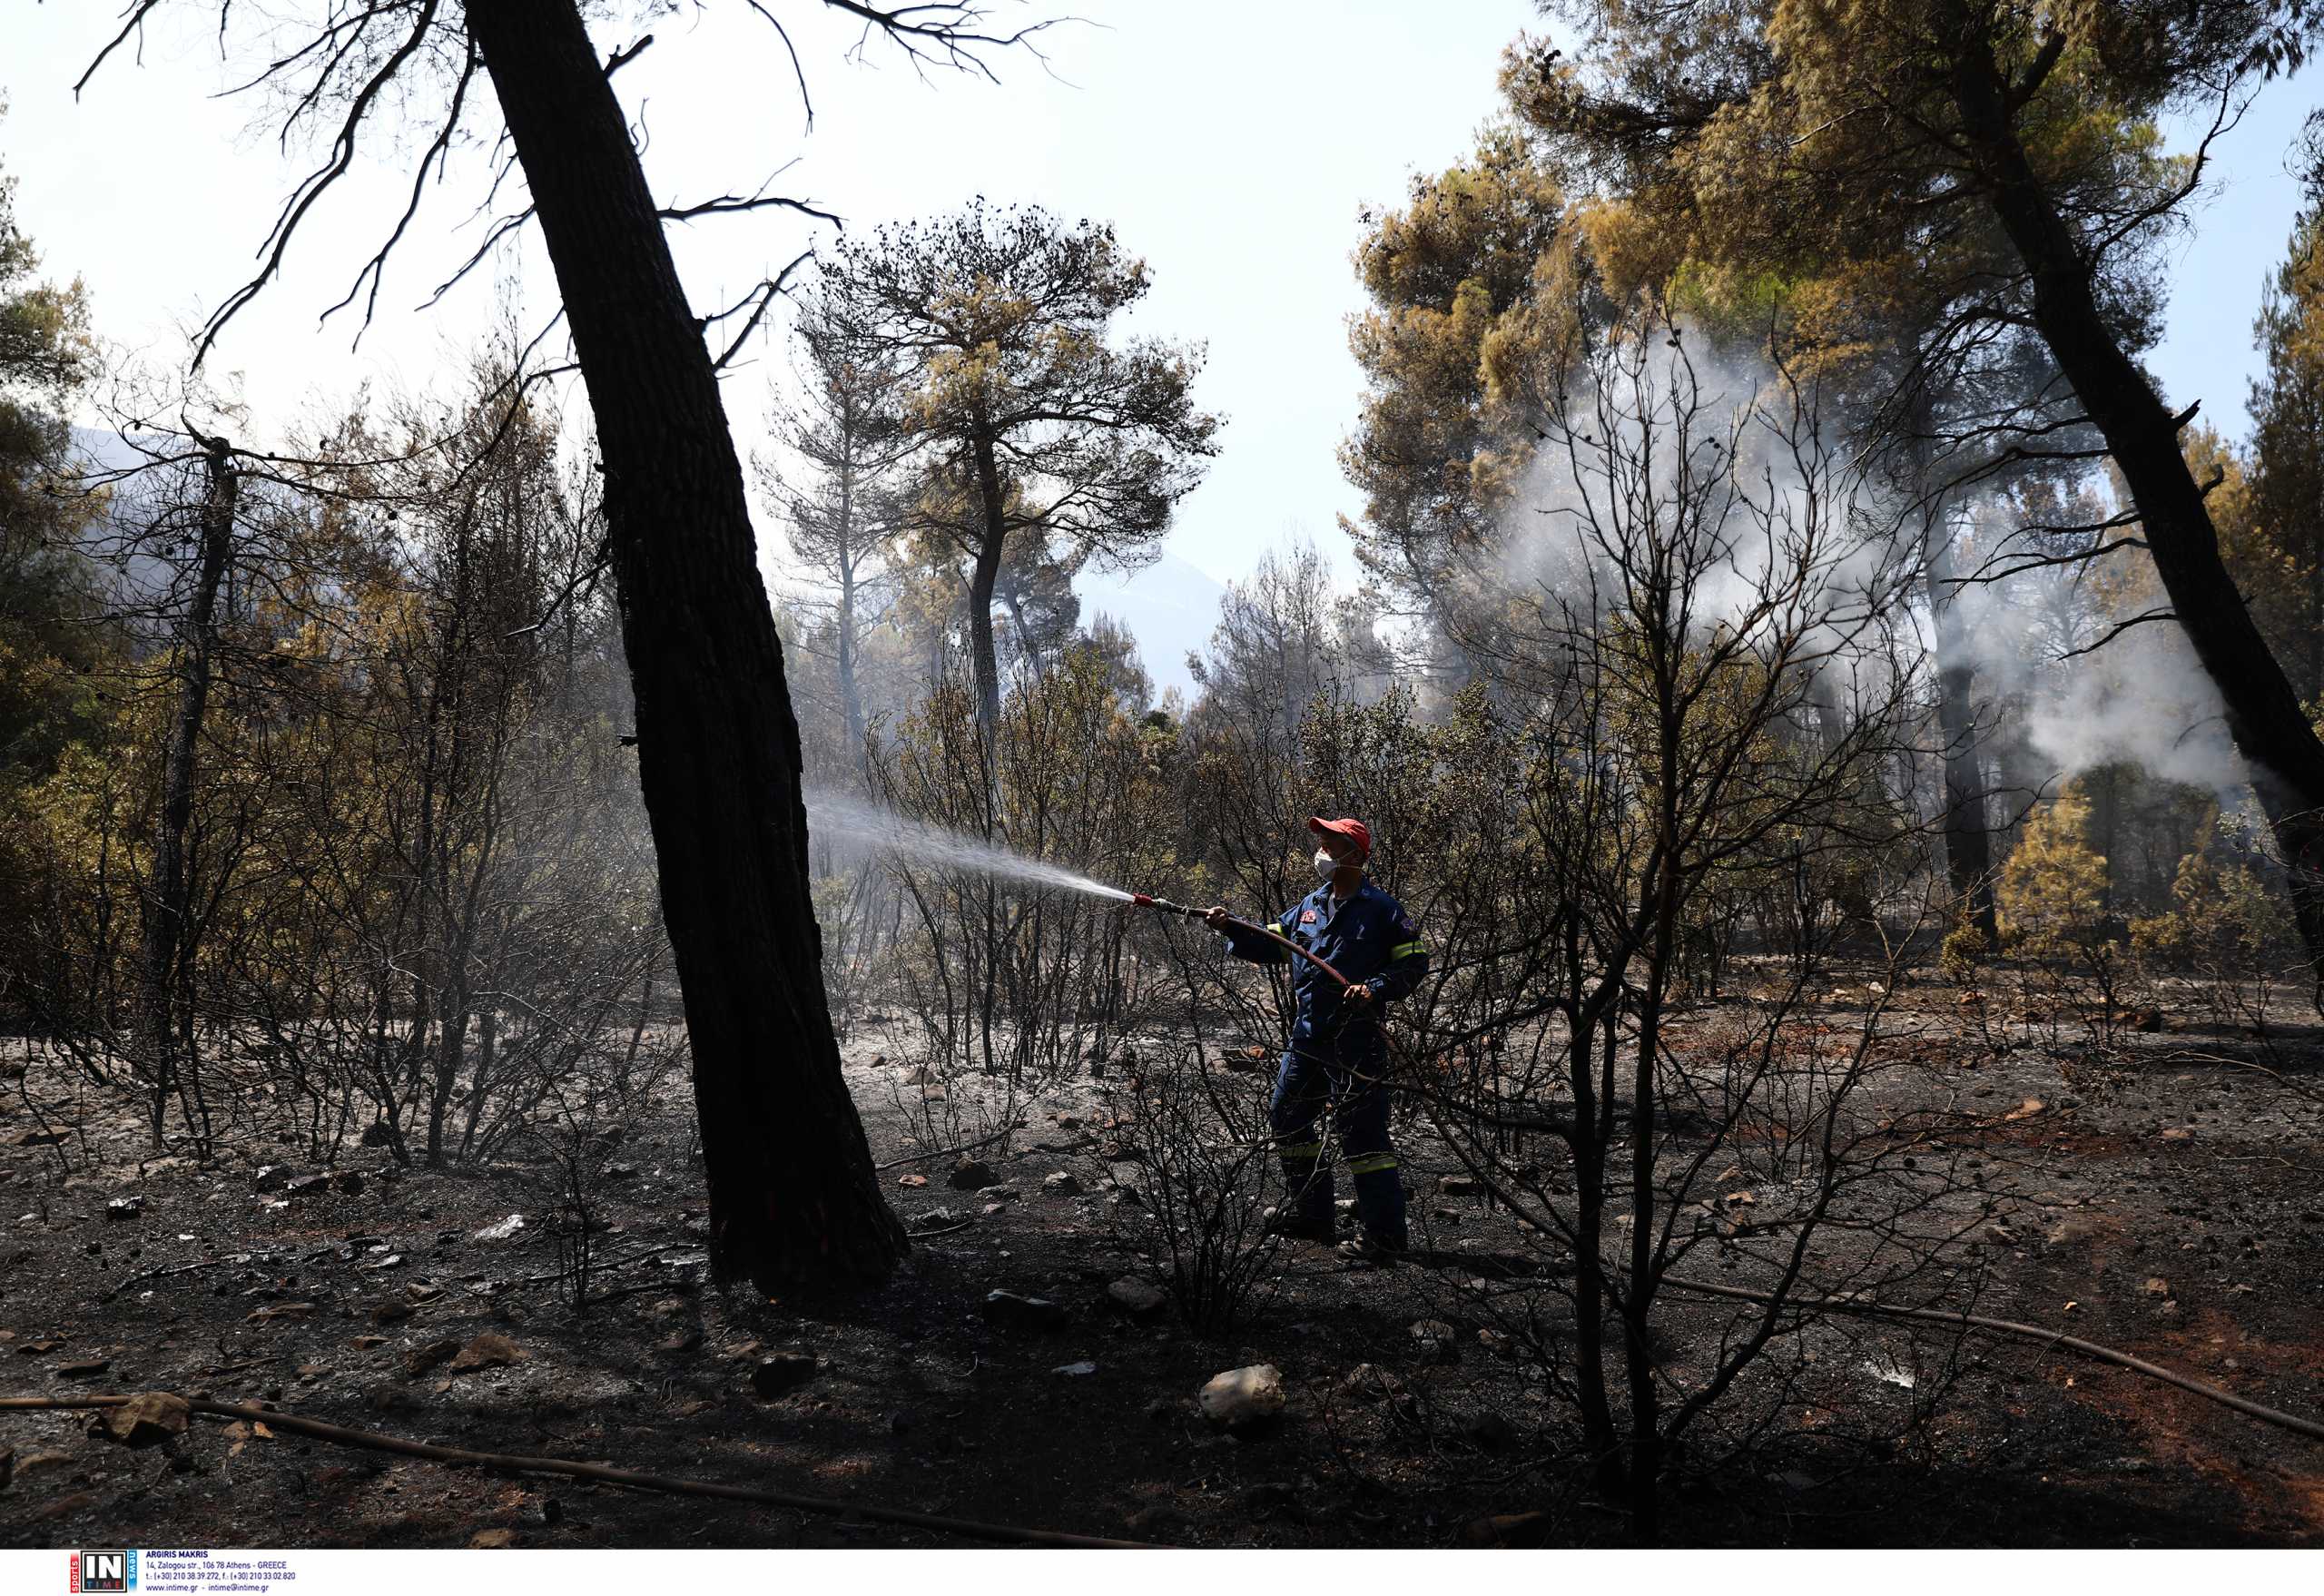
column 1723, row 465
column 2142, row 698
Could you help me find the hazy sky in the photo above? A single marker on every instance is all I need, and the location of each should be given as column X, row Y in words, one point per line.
column 1230, row 142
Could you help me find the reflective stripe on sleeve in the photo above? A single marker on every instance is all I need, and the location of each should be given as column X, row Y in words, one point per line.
column 1406, row 950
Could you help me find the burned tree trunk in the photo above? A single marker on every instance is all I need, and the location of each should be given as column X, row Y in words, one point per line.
column 981, row 585
column 164, row 947
column 793, row 1194
column 1968, row 842
column 2263, row 714
column 850, row 698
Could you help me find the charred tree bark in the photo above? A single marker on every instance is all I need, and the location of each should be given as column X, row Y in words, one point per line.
column 981, row 585
column 1968, row 841
column 850, row 700
column 1015, row 599
column 793, row 1198
column 163, row 945
column 2263, row 714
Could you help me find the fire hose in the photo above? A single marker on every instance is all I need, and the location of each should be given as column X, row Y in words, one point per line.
column 1147, row 900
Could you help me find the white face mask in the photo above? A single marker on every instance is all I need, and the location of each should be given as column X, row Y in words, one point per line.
column 1326, row 867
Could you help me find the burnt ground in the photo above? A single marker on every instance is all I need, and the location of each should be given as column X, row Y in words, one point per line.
column 2167, row 1188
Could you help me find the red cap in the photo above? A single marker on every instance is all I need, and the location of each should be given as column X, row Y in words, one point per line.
column 1354, row 831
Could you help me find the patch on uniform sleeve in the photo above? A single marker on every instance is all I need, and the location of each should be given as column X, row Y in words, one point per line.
column 1404, row 924
column 1307, row 917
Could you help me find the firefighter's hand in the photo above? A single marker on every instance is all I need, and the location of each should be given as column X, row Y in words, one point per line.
column 1215, row 917
column 1359, row 995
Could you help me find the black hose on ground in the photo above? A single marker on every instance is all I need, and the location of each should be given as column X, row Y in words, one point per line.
column 603, row 1473
column 2089, row 1349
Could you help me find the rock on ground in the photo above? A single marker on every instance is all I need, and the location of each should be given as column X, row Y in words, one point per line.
column 781, row 1372
column 144, row 1420
column 1138, row 1297
column 1434, row 1340
column 1015, row 1310
column 1244, row 1399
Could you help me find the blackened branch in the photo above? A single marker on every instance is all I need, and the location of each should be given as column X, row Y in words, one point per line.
column 756, row 302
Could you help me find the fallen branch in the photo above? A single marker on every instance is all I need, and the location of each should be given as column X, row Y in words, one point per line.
column 966, row 1147
column 2089, row 1349
column 596, row 1267
column 144, row 1276
column 604, row 1474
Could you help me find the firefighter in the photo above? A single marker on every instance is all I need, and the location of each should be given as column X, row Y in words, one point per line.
column 1338, row 1054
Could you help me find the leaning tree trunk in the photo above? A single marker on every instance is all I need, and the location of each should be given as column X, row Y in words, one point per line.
column 164, row 930
column 793, row 1198
column 2263, row 714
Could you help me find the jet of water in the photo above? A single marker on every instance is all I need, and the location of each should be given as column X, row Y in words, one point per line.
column 839, row 814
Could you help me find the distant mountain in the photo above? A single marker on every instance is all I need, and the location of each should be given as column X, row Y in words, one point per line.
column 1170, row 608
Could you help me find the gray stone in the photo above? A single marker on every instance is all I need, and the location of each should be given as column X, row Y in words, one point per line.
column 1138, row 1298
column 972, row 1175
column 1460, row 1185
column 123, row 1207
column 1061, row 1184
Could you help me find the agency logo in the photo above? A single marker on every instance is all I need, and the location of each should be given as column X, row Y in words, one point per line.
column 98, row 1572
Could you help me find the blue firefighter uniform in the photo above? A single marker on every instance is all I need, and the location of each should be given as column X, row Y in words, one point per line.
column 1338, row 1054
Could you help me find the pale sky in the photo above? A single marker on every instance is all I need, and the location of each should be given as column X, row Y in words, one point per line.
column 1231, row 142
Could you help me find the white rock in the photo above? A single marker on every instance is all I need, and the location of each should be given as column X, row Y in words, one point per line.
column 504, row 1230
column 1241, row 1399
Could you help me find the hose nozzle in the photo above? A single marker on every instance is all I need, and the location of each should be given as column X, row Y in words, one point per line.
column 1148, row 900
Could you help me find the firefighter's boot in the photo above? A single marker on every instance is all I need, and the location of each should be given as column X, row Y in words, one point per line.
column 1306, row 1211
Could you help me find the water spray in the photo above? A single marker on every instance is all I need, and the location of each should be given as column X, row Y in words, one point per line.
column 882, row 831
